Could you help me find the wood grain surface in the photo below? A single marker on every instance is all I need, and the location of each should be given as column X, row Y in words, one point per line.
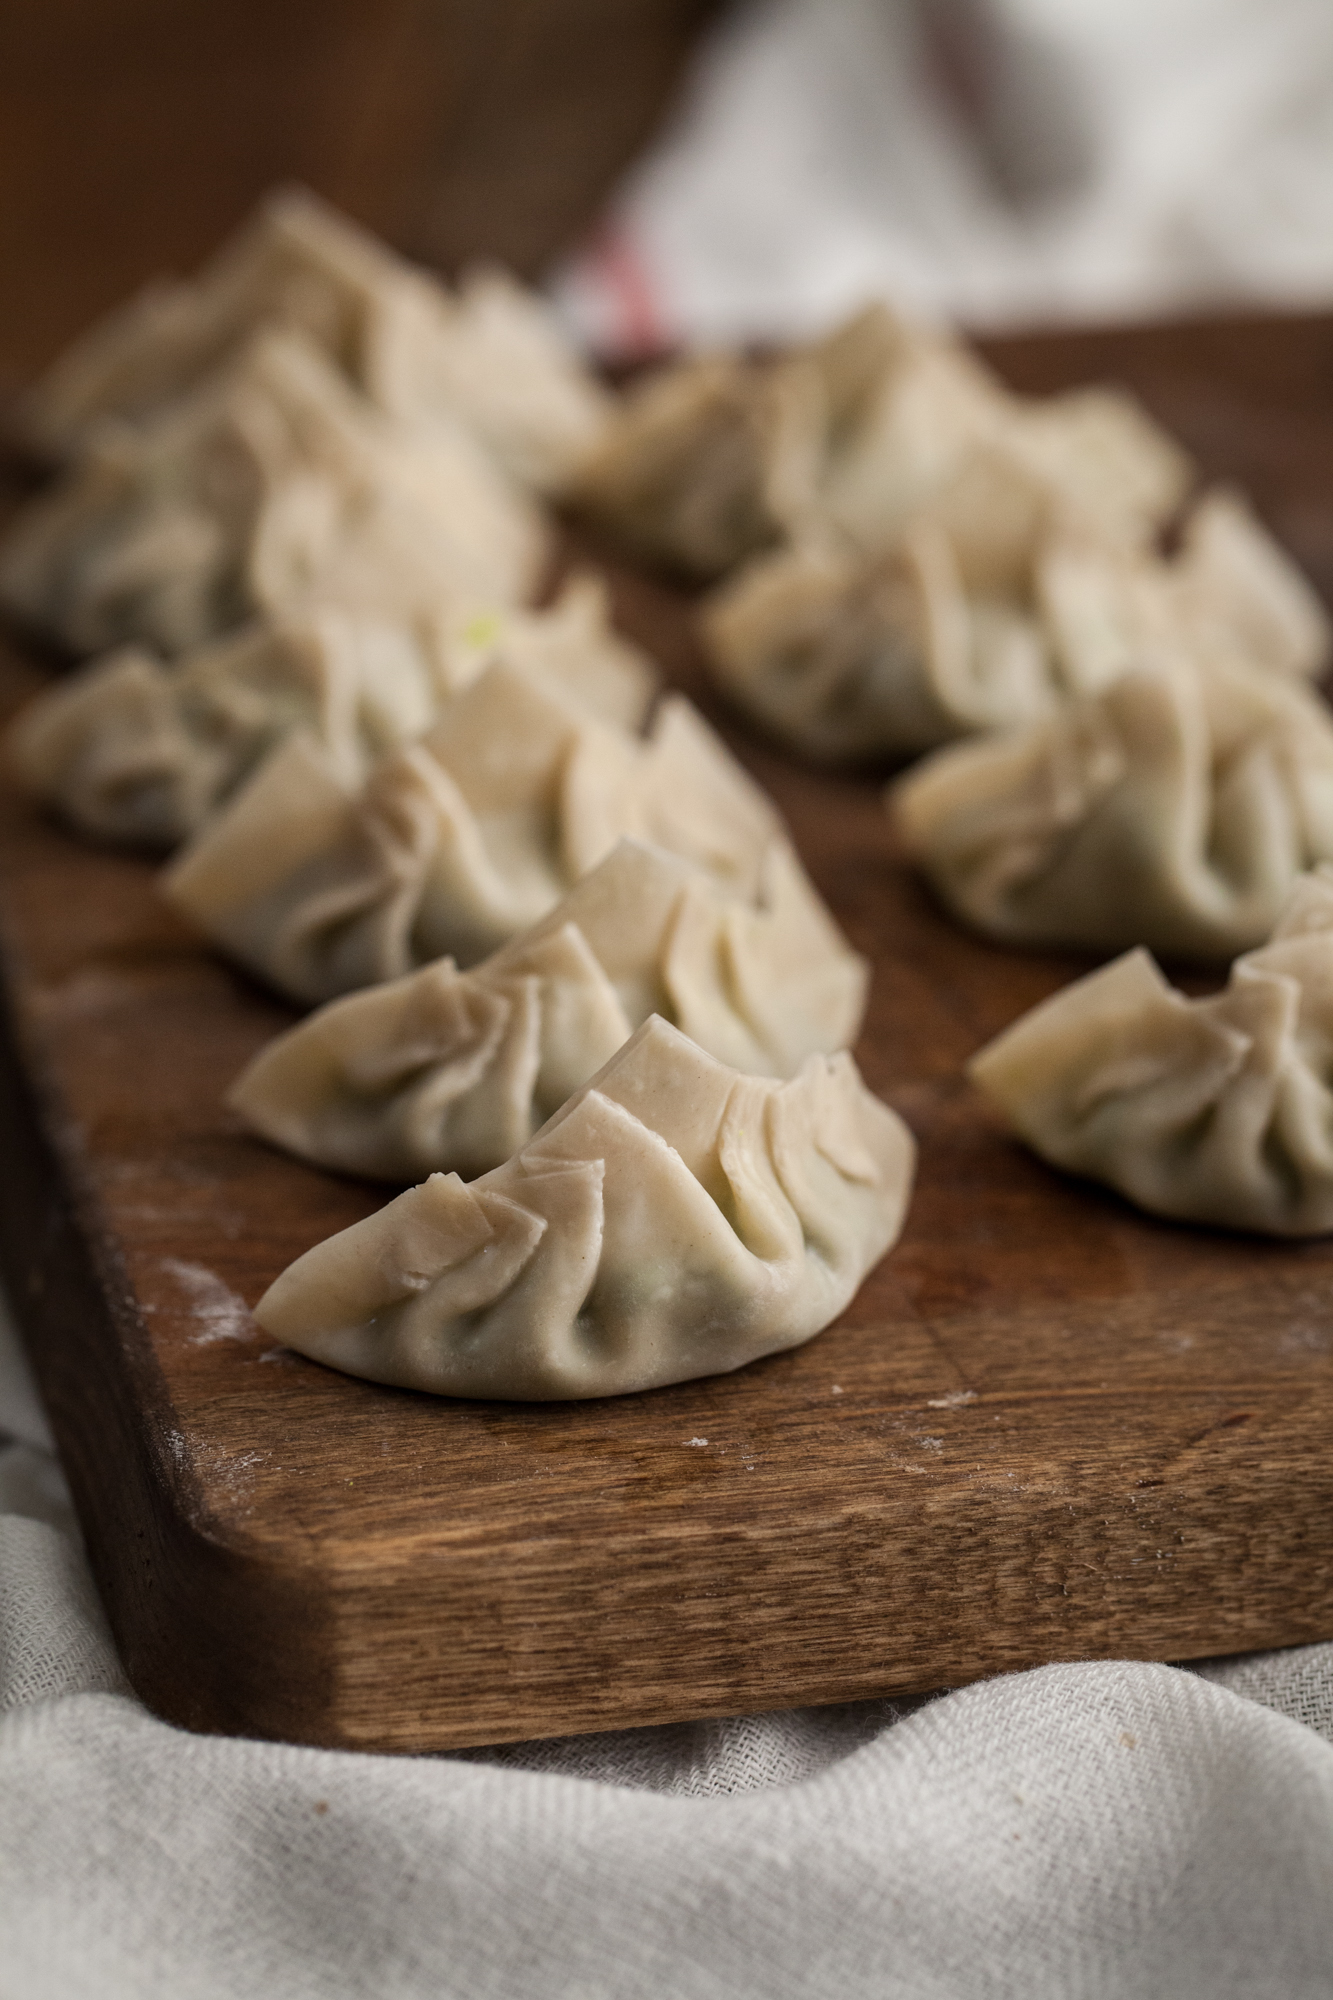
column 1047, row 1428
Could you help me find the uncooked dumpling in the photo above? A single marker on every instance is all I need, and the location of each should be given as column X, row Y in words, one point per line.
column 844, row 442
column 447, row 1069
column 296, row 265
column 270, row 487
column 459, row 841
column 495, row 357
column 1237, row 582
column 1100, row 454
column 1216, row 1110
column 992, row 608
column 936, row 636
column 905, row 409
column 909, row 409
column 492, row 358
column 129, row 748
column 1175, row 810
column 672, row 1220
column 1230, row 596
column 716, row 458
column 844, row 657
column 687, row 471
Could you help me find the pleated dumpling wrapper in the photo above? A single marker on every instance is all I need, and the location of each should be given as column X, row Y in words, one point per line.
column 672, row 1220
column 714, row 459
column 694, row 468
column 991, row 609
column 458, row 842
column 1216, row 1110
column 132, row 749
column 501, row 363
column 1230, row 593
column 271, row 486
column 909, row 407
column 1174, row 810
column 935, row 636
column 492, row 357
column 446, row 1069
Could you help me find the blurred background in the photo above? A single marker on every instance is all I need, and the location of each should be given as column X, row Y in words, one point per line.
column 684, row 169
column 135, row 133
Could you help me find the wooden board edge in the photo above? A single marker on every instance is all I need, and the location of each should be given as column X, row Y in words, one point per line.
column 168, row 1582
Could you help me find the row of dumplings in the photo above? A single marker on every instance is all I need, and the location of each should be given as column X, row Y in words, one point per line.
column 569, row 974
column 559, row 943
column 1123, row 751
column 911, row 555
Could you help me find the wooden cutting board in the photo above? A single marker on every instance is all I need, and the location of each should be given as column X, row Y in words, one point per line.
column 1048, row 1427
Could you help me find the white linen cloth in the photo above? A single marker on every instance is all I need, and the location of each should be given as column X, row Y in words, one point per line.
column 996, row 162
column 1108, row 1832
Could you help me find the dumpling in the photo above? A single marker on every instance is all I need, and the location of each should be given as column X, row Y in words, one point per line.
column 905, row 409
column 128, row 748
column 1216, row 1110
column 269, row 487
column 1175, row 809
column 671, row 1220
column 1100, row 454
column 992, row 608
column 902, row 412
column 493, row 358
column 1242, row 590
column 131, row 749
column 1230, row 595
column 686, row 473
column 936, row 636
column 295, row 264
column 458, row 842
column 840, row 656
column 714, row 460
column 447, row 1069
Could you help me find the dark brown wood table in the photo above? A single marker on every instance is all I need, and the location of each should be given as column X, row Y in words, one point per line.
column 1048, row 1427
